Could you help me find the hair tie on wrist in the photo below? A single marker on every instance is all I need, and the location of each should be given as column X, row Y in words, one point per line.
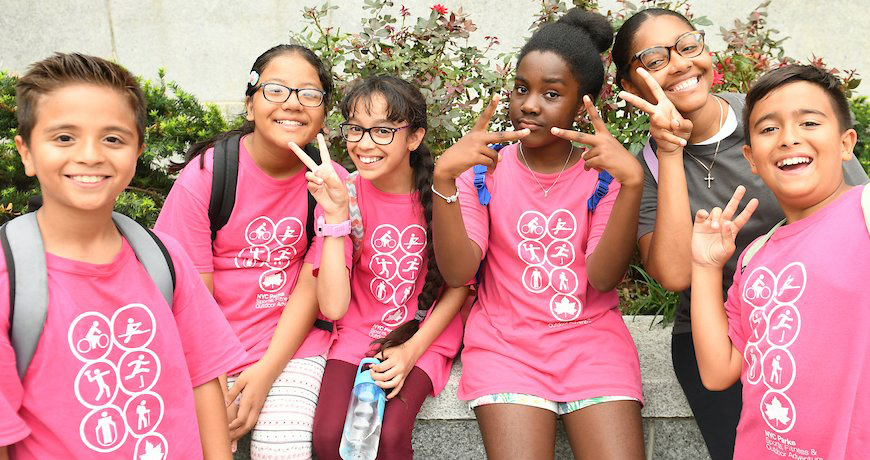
column 421, row 314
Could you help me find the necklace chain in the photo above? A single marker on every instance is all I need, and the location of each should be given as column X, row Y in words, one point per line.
column 535, row 176
column 709, row 169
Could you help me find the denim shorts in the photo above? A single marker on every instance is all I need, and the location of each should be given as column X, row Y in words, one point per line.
column 559, row 408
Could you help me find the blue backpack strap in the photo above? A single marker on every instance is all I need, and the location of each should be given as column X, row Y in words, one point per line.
column 604, row 180
column 483, row 194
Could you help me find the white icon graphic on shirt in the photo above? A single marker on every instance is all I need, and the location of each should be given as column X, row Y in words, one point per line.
column 779, row 369
column 143, row 413
column 97, row 383
column 532, row 225
column 565, row 307
column 252, row 257
column 288, row 231
column 536, row 279
column 395, row 316
column 753, row 357
column 758, row 325
column 89, row 336
column 385, row 239
column 103, row 429
column 758, row 289
column 785, row 324
column 280, row 257
column 561, row 225
column 413, row 239
column 549, row 256
column 396, row 265
column 139, row 371
column 260, row 231
column 272, row 280
column 151, row 447
column 778, row 411
column 133, row 327
column 792, row 280
column 383, row 266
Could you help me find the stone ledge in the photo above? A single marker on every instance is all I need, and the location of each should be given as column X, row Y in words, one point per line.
column 662, row 393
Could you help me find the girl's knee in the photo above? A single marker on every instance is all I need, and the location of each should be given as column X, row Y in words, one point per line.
column 395, row 444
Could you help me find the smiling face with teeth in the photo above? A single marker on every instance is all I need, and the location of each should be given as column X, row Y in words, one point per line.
column 686, row 81
column 388, row 166
column 83, row 147
column 278, row 124
column 798, row 147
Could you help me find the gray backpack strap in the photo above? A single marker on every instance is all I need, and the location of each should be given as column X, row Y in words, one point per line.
column 757, row 244
column 151, row 252
column 28, row 295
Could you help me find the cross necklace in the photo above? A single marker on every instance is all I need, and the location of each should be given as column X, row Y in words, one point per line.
column 709, row 169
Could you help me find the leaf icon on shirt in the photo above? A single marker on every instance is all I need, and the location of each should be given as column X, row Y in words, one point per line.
column 776, row 411
column 152, row 452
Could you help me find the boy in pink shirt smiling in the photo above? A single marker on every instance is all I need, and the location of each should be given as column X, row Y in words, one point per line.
column 117, row 373
column 793, row 327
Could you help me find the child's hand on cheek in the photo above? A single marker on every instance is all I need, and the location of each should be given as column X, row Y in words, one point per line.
column 473, row 148
column 714, row 232
column 605, row 152
column 396, row 364
column 323, row 182
column 666, row 125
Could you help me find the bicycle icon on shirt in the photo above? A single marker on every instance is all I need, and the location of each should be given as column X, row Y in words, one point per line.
column 260, row 233
column 385, row 241
column 93, row 339
column 533, row 227
column 758, row 290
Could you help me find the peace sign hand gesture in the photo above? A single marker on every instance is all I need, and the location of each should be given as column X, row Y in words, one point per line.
column 714, row 232
column 323, row 182
column 666, row 125
column 604, row 152
column 473, row 148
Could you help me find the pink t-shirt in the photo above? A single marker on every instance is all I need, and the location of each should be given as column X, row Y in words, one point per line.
column 257, row 255
column 799, row 313
column 386, row 281
column 114, row 370
column 538, row 327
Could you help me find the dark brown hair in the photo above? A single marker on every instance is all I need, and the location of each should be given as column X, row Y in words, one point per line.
column 323, row 74
column 625, row 38
column 794, row 73
column 60, row 70
column 405, row 104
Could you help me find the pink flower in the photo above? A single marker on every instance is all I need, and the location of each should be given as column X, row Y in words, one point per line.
column 439, row 8
column 718, row 78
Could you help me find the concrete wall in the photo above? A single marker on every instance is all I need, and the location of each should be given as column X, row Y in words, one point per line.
column 207, row 46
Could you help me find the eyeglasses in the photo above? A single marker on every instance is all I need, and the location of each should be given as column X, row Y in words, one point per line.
column 308, row 97
column 381, row 135
column 688, row 45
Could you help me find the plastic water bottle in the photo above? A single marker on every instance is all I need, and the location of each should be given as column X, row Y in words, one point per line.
column 365, row 415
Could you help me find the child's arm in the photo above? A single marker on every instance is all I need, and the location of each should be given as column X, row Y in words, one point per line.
column 212, row 417
column 457, row 255
column 606, row 266
column 255, row 381
column 398, row 361
column 333, row 286
column 666, row 252
column 719, row 361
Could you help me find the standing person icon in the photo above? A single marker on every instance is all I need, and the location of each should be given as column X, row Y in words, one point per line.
column 753, row 361
column 563, row 282
column 138, row 368
column 536, row 279
column 106, row 430
column 776, row 373
column 97, row 377
column 144, row 416
column 381, row 290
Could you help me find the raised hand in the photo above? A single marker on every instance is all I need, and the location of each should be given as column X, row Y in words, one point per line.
column 714, row 232
column 605, row 152
column 323, row 182
column 666, row 125
column 473, row 148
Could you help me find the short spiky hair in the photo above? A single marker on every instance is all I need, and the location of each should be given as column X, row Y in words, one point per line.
column 794, row 73
column 61, row 69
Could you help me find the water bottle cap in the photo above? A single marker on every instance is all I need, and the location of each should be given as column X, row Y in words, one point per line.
column 362, row 374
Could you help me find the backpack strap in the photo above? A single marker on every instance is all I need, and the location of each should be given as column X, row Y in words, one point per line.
column 357, row 231
column 225, row 177
column 652, row 161
column 483, row 194
column 28, row 295
column 151, row 252
column 604, row 180
column 757, row 244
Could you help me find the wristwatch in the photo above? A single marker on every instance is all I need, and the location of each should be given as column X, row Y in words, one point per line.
column 324, row 229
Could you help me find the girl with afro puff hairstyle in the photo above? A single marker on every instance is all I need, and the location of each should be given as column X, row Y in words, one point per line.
column 546, row 337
